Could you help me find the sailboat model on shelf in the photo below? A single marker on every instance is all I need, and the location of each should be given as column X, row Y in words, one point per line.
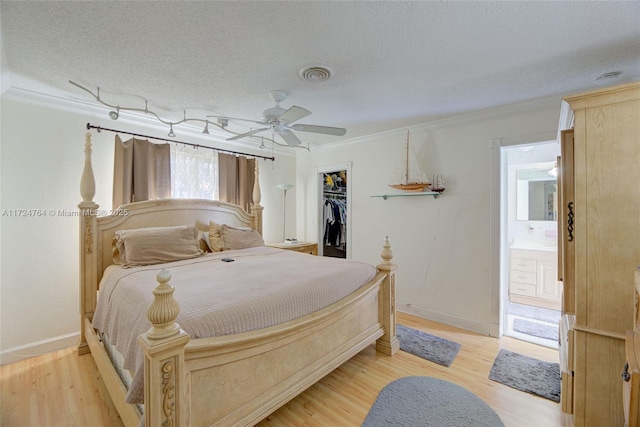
column 411, row 178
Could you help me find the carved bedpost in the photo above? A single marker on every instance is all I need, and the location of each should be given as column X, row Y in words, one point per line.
column 256, row 208
column 163, row 345
column 88, row 261
column 388, row 344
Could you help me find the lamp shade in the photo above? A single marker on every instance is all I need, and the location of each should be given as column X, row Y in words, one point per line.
column 284, row 186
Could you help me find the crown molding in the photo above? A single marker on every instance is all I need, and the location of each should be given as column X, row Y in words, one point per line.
column 536, row 105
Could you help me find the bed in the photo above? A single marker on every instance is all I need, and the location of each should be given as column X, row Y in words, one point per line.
column 233, row 379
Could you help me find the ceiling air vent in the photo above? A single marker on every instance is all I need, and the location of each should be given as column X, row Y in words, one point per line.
column 315, row 73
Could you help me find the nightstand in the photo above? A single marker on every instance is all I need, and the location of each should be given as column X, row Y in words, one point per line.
column 304, row 247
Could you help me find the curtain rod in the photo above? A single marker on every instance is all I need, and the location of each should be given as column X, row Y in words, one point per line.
column 222, row 150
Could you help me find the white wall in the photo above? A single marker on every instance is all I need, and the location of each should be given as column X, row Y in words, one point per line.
column 41, row 165
column 442, row 246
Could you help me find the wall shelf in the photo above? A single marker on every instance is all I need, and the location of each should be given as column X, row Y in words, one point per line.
column 435, row 194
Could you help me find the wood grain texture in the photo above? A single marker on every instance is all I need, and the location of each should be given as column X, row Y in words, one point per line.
column 566, row 245
column 64, row 389
column 607, row 245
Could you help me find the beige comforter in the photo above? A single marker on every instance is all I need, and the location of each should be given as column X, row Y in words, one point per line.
column 263, row 287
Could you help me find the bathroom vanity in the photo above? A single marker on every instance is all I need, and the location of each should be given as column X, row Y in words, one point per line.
column 533, row 277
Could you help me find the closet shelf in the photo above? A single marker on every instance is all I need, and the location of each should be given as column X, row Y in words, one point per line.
column 435, row 194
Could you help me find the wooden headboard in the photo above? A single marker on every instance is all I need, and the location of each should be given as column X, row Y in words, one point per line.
column 96, row 232
column 165, row 213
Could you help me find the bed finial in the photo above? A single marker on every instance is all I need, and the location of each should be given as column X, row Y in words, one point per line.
column 163, row 347
column 388, row 344
column 257, row 196
column 88, row 182
column 256, row 209
column 386, row 253
column 88, row 260
column 164, row 309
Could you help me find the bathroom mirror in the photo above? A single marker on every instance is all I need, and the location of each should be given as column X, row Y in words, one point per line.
column 536, row 194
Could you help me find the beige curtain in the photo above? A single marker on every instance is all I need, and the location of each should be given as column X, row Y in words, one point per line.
column 141, row 171
column 236, row 176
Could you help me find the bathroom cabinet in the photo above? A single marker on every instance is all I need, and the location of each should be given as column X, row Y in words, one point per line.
column 533, row 278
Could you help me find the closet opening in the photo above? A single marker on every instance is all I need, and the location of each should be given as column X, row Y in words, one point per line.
column 334, row 205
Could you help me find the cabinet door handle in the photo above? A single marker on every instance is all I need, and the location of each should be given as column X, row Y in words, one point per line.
column 570, row 221
column 625, row 373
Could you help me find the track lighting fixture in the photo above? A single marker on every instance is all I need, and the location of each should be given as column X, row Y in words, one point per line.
column 222, row 122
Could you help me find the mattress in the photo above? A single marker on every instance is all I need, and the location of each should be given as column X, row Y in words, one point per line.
column 261, row 287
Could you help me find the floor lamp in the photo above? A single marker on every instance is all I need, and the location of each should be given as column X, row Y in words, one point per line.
column 284, row 188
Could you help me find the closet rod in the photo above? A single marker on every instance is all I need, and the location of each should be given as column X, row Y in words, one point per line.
column 222, row 150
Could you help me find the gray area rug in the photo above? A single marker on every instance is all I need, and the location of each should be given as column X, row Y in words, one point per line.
column 425, row 402
column 527, row 374
column 427, row 346
column 537, row 313
column 539, row 330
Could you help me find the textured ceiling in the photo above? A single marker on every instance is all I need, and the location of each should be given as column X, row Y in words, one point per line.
column 395, row 63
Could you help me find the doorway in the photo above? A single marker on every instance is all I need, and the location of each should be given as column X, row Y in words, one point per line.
column 334, row 231
column 531, row 297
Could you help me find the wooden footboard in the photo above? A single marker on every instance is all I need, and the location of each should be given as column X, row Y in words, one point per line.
column 240, row 379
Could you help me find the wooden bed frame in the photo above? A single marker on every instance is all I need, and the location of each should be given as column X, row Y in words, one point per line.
column 229, row 380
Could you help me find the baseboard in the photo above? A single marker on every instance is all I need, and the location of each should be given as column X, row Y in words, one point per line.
column 38, row 348
column 481, row 328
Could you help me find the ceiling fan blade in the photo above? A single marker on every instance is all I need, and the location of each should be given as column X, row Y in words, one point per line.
column 242, row 135
column 293, row 114
column 328, row 130
column 290, row 138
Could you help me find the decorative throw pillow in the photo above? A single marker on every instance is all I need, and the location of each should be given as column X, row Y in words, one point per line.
column 215, row 240
column 235, row 238
column 203, row 241
column 154, row 245
column 207, row 241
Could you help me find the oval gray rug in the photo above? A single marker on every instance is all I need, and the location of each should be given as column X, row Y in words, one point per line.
column 426, row 401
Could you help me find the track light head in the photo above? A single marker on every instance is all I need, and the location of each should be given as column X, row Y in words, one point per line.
column 171, row 134
column 115, row 114
column 206, row 128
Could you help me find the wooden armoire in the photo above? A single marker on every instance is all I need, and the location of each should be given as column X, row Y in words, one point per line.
column 599, row 232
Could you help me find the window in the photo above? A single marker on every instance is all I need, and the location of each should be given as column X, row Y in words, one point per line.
column 194, row 173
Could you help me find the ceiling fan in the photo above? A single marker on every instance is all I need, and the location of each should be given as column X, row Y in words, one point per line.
column 281, row 121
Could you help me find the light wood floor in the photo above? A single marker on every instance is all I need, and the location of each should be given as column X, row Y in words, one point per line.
column 64, row 389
